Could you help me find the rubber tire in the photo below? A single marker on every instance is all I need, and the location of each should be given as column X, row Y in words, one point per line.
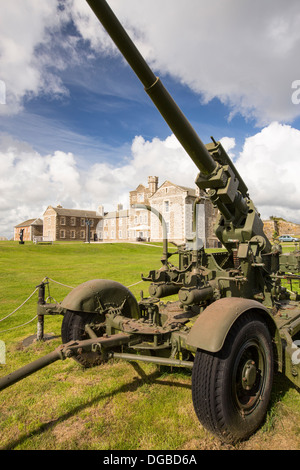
column 73, row 328
column 216, row 381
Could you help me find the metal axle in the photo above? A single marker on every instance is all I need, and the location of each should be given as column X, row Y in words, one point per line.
column 165, row 361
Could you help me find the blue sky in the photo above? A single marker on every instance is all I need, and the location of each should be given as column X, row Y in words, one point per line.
column 77, row 128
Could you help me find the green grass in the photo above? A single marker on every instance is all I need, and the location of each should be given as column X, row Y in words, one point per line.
column 23, row 267
column 118, row 405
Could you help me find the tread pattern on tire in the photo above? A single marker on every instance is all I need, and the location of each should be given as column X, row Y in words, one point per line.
column 206, row 393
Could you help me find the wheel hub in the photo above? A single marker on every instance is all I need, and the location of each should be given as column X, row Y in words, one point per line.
column 249, row 375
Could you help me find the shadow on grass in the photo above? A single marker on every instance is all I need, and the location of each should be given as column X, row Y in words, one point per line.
column 160, row 376
column 131, row 386
column 281, row 386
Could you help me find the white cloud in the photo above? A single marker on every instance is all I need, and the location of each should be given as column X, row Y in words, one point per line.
column 269, row 164
column 241, row 52
column 88, row 26
column 28, row 31
column 244, row 53
column 111, row 184
column 228, row 143
column 30, row 182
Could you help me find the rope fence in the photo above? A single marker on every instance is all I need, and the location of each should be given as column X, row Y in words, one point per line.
column 31, row 295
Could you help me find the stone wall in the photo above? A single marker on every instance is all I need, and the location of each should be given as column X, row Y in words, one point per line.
column 175, row 206
column 139, row 219
column 114, row 226
column 281, row 227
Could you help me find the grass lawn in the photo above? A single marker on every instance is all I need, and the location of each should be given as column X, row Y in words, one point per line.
column 118, row 405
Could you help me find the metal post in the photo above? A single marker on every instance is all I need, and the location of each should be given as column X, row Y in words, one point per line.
column 164, row 228
column 88, row 234
column 40, row 323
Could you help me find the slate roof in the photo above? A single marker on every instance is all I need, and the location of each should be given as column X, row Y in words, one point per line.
column 29, row 222
column 74, row 212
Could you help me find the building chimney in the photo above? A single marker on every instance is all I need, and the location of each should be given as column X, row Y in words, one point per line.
column 153, row 184
column 100, row 211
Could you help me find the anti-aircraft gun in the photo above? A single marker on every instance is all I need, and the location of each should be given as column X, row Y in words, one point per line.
column 233, row 323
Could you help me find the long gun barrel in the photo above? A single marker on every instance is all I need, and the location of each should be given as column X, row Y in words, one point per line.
column 218, row 175
column 174, row 117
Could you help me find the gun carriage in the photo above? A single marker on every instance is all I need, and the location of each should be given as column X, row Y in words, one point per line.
column 233, row 323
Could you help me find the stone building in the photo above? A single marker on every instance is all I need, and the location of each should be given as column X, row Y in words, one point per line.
column 174, row 202
column 139, row 218
column 114, row 226
column 129, row 224
column 70, row 224
column 177, row 205
column 31, row 228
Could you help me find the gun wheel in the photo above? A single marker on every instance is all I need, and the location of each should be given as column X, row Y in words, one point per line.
column 73, row 328
column 86, row 305
column 231, row 389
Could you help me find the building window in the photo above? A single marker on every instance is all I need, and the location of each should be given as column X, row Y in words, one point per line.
column 140, row 197
column 82, row 234
column 82, row 222
column 62, row 234
column 62, row 221
column 166, row 206
column 73, row 221
column 120, row 233
column 72, row 233
column 112, row 234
